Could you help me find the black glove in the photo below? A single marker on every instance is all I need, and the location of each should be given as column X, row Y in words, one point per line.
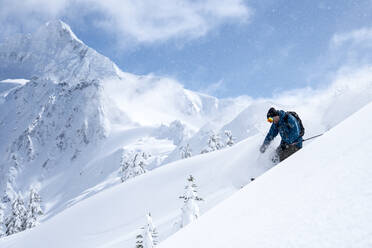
column 284, row 146
column 263, row 148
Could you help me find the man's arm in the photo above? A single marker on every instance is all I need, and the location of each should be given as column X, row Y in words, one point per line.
column 273, row 132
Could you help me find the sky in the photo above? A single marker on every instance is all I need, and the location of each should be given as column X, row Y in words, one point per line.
column 223, row 48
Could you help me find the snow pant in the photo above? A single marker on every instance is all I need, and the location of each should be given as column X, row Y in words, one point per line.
column 283, row 152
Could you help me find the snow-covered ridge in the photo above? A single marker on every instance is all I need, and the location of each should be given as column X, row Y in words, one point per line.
column 45, row 124
column 53, row 51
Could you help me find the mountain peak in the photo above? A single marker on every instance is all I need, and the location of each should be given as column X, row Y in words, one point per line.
column 55, row 52
column 58, row 26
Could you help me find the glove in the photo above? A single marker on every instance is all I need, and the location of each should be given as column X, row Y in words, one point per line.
column 263, row 148
column 284, row 146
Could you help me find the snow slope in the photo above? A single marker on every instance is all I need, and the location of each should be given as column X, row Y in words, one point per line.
column 320, row 197
column 113, row 217
column 306, row 201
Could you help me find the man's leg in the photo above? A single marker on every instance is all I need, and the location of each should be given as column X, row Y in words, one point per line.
column 285, row 153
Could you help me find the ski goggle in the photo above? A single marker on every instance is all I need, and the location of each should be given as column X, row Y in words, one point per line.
column 270, row 119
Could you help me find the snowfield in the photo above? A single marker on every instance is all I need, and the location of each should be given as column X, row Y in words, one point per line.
column 113, row 217
column 319, row 197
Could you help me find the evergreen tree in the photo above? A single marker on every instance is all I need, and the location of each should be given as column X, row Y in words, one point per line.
column 132, row 166
column 139, row 241
column 149, row 236
column 230, row 138
column 190, row 209
column 34, row 209
column 9, row 194
column 17, row 221
column 185, row 151
column 2, row 219
column 214, row 143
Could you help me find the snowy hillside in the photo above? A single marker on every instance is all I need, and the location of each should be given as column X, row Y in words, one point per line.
column 304, row 201
column 66, row 127
column 320, row 197
column 113, row 217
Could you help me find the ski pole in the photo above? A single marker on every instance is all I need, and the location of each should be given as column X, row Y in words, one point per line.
column 316, row 136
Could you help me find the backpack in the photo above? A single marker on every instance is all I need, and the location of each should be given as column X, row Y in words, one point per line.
column 295, row 115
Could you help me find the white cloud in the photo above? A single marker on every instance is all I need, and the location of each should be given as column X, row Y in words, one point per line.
column 361, row 36
column 142, row 21
column 151, row 21
column 215, row 89
column 352, row 49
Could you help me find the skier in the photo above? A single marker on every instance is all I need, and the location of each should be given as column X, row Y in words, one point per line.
column 290, row 128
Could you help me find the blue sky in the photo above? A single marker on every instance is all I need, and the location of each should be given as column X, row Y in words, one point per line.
column 226, row 48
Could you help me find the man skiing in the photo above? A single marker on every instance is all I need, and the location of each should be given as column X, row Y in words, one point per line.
column 290, row 128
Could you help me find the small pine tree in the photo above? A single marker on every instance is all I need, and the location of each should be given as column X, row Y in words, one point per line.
column 190, row 209
column 17, row 221
column 34, row 209
column 139, row 241
column 2, row 219
column 185, row 151
column 214, row 143
column 149, row 236
column 132, row 166
column 230, row 138
column 153, row 230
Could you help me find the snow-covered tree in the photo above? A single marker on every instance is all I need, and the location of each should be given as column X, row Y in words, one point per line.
column 16, row 222
column 2, row 219
column 34, row 209
column 230, row 138
column 132, row 165
column 214, row 143
column 9, row 193
column 139, row 241
column 185, row 151
column 176, row 131
column 190, row 209
column 149, row 235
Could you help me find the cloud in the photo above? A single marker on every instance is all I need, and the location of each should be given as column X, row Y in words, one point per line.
column 352, row 49
column 141, row 21
column 149, row 21
column 215, row 89
column 362, row 36
column 346, row 51
column 28, row 15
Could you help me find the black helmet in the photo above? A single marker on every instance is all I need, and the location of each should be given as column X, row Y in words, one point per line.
column 272, row 112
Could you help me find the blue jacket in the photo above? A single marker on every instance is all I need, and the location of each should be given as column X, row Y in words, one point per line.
column 289, row 131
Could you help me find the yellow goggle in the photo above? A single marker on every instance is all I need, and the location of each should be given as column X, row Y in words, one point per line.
column 270, row 119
